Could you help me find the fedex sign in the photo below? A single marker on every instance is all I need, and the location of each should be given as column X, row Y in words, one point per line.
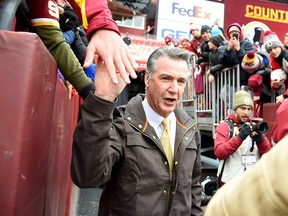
column 174, row 16
column 195, row 11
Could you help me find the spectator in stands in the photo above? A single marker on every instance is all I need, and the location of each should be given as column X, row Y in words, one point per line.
column 217, row 44
column 177, row 42
column 278, row 59
column 169, row 41
column 262, row 190
column 202, row 61
column 235, row 139
column 122, row 148
column 258, row 39
column 257, row 64
column 206, row 34
column 280, row 127
column 72, row 27
column 196, row 40
column 236, row 50
column 216, row 31
column 217, row 26
column 67, row 20
column 104, row 41
column 278, row 78
column 185, row 43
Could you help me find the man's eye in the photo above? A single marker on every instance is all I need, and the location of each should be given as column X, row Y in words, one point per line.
column 182, row 82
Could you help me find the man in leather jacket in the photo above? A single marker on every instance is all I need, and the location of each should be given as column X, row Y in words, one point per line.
column 120, row 148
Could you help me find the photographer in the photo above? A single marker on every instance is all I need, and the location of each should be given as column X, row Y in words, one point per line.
column 239, row 141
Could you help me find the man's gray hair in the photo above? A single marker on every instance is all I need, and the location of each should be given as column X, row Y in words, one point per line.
column 170, row 52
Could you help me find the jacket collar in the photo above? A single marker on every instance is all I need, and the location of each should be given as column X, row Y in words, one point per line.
column 135, row 113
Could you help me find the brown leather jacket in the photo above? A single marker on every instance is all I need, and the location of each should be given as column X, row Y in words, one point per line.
column 119, row 149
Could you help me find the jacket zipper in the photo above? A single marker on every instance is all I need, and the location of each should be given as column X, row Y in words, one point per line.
column 176, row 182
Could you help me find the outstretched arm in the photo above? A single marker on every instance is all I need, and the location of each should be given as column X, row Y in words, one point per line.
column 114, row 52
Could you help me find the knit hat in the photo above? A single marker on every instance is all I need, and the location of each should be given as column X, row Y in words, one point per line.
column 205, row 28
column 176, row 42
column 215, row 31
column 234, row 28
column 255, row 84
column 251, row 62
column 217, row 40
column 193, row 26
column 242, row 98
column 168, row 39
column 271, row 40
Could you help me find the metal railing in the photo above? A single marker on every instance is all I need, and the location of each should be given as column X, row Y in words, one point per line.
column 214, row 104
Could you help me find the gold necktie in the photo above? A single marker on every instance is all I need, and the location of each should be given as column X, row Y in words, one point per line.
column 165, row 141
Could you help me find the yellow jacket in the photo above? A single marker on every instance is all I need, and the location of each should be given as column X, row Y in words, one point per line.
column 260, row 191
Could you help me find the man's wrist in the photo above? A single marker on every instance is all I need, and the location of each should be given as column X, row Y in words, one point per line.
column 105, row 97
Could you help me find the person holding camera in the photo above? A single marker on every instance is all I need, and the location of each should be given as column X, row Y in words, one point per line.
column 236, row 50
column 239, row 141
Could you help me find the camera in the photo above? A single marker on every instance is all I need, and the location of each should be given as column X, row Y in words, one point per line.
column 259, row 125
column 235, row 35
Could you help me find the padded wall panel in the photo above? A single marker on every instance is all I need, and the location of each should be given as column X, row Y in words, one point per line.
column 36, row 125
column 269, row 115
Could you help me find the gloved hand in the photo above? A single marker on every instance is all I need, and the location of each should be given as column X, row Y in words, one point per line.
column 245, row 131
column 258, row 138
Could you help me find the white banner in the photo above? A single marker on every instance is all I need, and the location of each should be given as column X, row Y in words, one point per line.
column 174, row 16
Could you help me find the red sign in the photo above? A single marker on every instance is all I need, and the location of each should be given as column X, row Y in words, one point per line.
column 251, row 14
column 141, row 48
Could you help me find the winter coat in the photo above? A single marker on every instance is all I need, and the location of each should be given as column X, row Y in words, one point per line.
column 234, row 57
column 216, row 65
column 97, row 14
column 119, row 149
column 204, row 57
column 195, row 45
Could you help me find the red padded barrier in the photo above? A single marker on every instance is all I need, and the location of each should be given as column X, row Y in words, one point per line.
column 269, row 115
column 36, row 126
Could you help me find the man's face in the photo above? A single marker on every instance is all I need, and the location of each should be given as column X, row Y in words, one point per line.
column 243, row 113
column 211, row 46
column 185, row 43
column 206, row 35
column 165, row 88
column 195, row 32
column 275, row 52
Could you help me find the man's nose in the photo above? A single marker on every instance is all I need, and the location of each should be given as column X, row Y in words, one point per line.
column 174, row 86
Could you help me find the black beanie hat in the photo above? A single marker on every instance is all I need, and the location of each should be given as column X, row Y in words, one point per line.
column 205, row 28
column 217, row 40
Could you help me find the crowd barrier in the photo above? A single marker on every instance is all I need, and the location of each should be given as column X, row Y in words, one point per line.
column 36, row 127
column 211, row 105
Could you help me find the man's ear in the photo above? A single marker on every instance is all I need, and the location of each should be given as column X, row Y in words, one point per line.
column 146, row 79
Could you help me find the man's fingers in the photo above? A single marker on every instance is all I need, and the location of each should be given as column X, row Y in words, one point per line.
column 90, row 55
column 130, row 64
column 109, row 64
